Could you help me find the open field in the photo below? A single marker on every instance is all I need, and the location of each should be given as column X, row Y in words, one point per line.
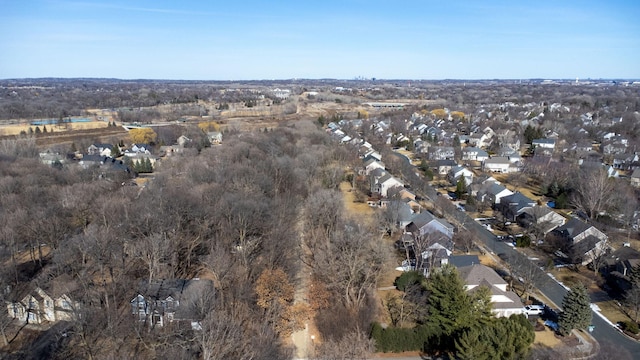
column 15, row 129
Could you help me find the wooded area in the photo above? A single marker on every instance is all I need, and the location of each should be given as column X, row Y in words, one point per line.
column 241, row 216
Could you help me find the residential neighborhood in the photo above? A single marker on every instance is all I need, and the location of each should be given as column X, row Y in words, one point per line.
column 167, row 228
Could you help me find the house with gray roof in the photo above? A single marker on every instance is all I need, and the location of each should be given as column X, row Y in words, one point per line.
column 544, row 143
column 472, row 153
column 504, row 302
column 499, row 164
column 426, row 223
column 515, row 204
column 493, row 192
column 583, row 242
column 161, row 302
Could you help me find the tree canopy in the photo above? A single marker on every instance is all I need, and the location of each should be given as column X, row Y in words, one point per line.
column 143, row 135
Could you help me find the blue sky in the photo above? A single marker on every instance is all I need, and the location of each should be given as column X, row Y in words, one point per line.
column 244, row 40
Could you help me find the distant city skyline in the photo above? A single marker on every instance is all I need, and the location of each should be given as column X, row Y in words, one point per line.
column 257, row 40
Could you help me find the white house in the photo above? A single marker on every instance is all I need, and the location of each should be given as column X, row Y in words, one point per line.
column 459, row 171
column 372, row 164
column 499, row 164
column 544, row 143
column 472, row 153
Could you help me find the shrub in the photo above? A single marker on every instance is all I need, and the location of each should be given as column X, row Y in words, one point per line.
column 630, row 326
column 523, row 241
column 407, row 279
column 393, row 339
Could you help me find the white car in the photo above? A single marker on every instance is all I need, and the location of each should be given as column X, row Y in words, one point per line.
column 534, row 309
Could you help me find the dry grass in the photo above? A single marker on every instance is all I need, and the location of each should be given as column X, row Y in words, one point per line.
column 357, row 209
column 532, row 192
column 612, row 311
column 15, row 129
column 547, row 338
column 26, row 256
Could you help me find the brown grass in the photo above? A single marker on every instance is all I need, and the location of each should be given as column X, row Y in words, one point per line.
column 25, row 256
column 357, row 209
column 15, row 129
column 612, row 311
column 547, row 338
column 527, row 190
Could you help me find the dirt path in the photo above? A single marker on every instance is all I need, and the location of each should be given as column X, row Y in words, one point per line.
column 302, row 338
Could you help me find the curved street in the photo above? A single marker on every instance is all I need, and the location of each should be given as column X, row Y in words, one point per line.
column 603, row 331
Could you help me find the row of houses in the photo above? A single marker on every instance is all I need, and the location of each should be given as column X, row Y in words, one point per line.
column 428, row 239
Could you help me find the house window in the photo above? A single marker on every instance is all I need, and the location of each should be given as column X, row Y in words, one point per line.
column 66, row 305
column 32, row 316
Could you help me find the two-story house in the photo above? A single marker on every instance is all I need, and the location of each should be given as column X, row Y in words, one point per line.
column 161, row 302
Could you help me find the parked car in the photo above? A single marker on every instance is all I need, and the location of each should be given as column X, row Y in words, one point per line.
column 534, row 309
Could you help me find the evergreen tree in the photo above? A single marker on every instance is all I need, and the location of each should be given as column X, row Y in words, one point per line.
column 44, row 129
column 576, row 312
column 501, row 338
column 452, row 309
column 73, row 147
column 461, row 187
column 116, row 151
column 38, row 131
column 148, row 167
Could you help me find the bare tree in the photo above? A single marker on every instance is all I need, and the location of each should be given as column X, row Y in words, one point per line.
column 152, row 250
column 632, row 300
column 351, row 264
column 593, row 190
column 355, row 345
column 464, row 240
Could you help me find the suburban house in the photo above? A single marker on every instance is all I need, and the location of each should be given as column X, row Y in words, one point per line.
column 382, row 181
column 372, row 164
column 50, row 158
column 403, row 195
column 472, row 153
column 399, row 212
column 441, row 153
column 544, row 143
column 505, row 303
column 426, row 223
column 100, row 149
column 584, row 242
column 499, row 164
column 138, row 149
column 444, row 166
column 619, row 265
column 541, row 216
column 509, row 139
column 460, row 171
column 635, row 178
column 32, row 305
column 514, row 205
column 492, row 191
column 161, row 302
column 372, row 154
column 105, row 163
column 434, row 256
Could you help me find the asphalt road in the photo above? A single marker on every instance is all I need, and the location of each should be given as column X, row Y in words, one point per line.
column 603, row 331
